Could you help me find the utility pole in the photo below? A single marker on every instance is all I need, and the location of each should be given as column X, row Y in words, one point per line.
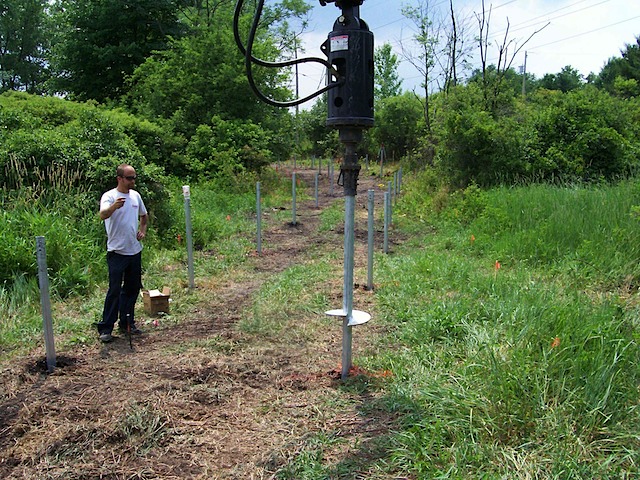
column 524, row 76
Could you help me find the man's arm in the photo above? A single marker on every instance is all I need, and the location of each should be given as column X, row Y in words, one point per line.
column 142, row 230
column 107, row 212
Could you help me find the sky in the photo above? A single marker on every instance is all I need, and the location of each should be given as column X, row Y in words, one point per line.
column 581, row 33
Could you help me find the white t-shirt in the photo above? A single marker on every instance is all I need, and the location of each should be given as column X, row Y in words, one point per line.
column 122, row 225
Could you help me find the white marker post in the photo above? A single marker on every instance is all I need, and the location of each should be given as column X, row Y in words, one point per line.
column 370, row 238
column 47, row 322
column 294, row 220
column 258, row 220
column 186, row 191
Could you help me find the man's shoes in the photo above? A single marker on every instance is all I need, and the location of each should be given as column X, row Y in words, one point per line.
column 134, row 331
column 106, row 338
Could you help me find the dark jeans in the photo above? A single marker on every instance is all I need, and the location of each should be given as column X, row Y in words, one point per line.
column 125, row 282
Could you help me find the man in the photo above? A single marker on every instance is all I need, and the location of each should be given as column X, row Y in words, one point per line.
column 125, row 219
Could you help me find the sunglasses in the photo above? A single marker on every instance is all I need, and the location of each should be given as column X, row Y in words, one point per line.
column 129, row 177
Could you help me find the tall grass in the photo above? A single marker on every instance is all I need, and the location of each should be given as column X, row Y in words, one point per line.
column 65, row 213
column 591, row 232
column 514, row 369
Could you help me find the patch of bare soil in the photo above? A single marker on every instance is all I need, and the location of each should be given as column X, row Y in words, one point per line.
column 201, row 400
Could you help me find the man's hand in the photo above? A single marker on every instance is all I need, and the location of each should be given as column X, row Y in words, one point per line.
column 142, row 231
column 107, row 212
column 119, row 203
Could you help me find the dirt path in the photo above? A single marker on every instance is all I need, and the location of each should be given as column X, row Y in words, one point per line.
column 202, row 399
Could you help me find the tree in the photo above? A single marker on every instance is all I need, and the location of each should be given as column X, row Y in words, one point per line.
column 101, row 42
column 388, row 83
column 202, row 75
column 427, row 39
column 317, row 137
column 399, row 123
column 456, row 50
column 23, row 44
column 621, row 76
column 507, row 51
column 568, row 79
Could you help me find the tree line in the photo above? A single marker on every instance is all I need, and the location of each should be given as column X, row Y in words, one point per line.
column 174, row 65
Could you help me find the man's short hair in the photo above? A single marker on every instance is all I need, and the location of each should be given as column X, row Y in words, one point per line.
column 120, row 169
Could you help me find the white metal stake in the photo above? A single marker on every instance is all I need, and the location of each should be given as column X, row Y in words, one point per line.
column 186, row 191
column 347, row 334
column 386, row 222
column 315, row 183
column 370, row 239
column 45, row 300
column 293, row 195
column 258, row 220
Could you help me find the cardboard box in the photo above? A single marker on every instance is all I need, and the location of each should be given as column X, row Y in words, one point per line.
column 156, row 301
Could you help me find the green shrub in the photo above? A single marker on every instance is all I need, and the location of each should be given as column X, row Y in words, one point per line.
column 227, row 148
column 585, row 134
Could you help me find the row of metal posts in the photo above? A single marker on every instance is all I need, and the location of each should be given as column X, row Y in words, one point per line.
column 381, row 155
column 42, row 257
column 389, row 196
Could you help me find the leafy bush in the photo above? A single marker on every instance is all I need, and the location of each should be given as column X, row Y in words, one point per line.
column 585, row 134
column 476, row 146
column 46, row 138
column 227, row 148
column 399, row 123
column 72, row 245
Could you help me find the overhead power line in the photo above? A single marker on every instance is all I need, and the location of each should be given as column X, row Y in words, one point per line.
column 545, row 18
column 584, row 33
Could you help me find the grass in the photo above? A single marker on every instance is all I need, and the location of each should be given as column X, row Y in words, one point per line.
column 513, row 341
column 507, row 323
column 76, row 264
column 300, row 293
column 332, row 217
column 515, row 371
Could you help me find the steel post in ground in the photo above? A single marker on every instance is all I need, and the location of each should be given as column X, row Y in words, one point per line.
column 45, row 300
column 315, row 188
column 186, row 191
column 389, row 200
column 294, row 221
column 386, row 222
column 349, row 174
column 395, row 187
column 349, row 171
column 347, row 334
column 370, row 238
column 330, row 174
column 258, row 220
